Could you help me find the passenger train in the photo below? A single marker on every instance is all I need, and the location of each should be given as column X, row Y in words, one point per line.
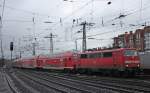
column 122, row 60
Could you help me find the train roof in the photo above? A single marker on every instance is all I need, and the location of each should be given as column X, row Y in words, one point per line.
column 65, row 54
column 57, row 55
column 107, row 50
column 71, row 53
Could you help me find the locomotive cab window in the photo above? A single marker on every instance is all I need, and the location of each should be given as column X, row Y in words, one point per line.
column 83, row 56
column 99, row 55
column 107, row 54
column 130, row 53
column 69, row 58
column 92, row 55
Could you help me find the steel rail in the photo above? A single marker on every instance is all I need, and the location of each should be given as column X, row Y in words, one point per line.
column 9, row 82
column 111, row 86
column 37, row 79
column 87, row 83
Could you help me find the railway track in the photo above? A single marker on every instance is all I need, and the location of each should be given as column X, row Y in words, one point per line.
column 21, row 85
column 39, row 85
column 134, row 81
column 32, row 85
column 29, row 84
column 126, row 81
column 6, row 85
column 68, row 87
column 31, row 81
column 124, row 87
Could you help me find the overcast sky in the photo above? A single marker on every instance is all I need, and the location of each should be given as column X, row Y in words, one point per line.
column 18, row 22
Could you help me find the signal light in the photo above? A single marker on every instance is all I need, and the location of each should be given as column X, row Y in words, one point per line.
column 11, row 46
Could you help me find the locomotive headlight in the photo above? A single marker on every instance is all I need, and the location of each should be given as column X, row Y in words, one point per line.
column 132, row 61
column 127, row 65
column 127, row 61
column 138, row 65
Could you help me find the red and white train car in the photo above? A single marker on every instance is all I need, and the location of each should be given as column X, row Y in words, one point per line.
column 26, row 62
column 60, row 61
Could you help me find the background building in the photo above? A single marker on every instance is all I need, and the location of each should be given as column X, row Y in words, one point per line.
column 140, row 39
column 131, row 42
column 147, row 38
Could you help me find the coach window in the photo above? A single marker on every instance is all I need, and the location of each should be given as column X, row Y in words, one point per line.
column 90, row 55
column 107, row 54
column 83, row 56
column 69, row 58
column 93, row 55
column 65, row 59
column 99, row 55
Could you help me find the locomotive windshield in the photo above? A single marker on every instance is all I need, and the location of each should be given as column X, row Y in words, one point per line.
column 130, row 53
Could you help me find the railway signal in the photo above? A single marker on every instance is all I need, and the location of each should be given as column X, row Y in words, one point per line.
column 11, row 48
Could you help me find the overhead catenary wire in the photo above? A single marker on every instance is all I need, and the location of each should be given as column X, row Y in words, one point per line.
column 22, row 10
column 130, row 13
column 77, row 10
column 113, row 30
column 141, row 6
column 33, row 12
column 107, row 32
column 25, row 11
column 68, row 16
column 74, row 12
column 128, row 25
column 21, row 21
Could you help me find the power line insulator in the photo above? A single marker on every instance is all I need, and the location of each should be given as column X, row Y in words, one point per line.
column 113, row 24
column 74, row 20
column 109, row 3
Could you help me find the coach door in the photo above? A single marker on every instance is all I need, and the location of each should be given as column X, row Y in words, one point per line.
column 117, row 56
column 39, row 63
column 64, row 62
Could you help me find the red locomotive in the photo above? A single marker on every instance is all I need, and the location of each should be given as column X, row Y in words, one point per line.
column 114, row 60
